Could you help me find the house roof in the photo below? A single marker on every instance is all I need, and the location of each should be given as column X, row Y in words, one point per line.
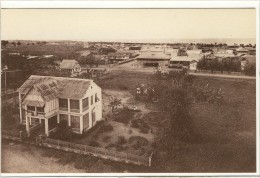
column 52, row 87
column 190, row 57
column 154, row 55
column 242, row 50
column 68, row 64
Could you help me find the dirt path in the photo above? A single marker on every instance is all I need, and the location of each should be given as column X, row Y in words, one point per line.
column 20, row 158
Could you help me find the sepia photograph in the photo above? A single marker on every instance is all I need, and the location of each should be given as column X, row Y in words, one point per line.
column 129, row 90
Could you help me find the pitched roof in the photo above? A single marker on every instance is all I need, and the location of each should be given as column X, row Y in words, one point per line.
column 52, row 87
column 190, row 57
column 154, row 55
column 68, row 64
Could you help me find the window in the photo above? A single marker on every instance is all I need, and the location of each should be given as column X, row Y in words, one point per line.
column 40, row 109
column 86, row 121
column 75, row 122
column 91, row 99
column 85, row 104
column 31, row 108
column 96, row 98
column 52, row 122
column 63, row 103
column 64, row 118
column 74, row 104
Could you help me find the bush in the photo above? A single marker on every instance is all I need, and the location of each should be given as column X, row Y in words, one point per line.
column 94, row 143
column 139, row 141
column 121, row 140
column 106, row 128
column 141, row 125
column 250, row 69
column 106, row 138
column 124, row 116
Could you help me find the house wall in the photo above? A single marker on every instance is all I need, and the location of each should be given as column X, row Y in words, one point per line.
column 96, row 106
column 51, row 107
column 162, row 63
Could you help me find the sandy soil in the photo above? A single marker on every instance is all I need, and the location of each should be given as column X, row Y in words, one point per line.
column 20, row 158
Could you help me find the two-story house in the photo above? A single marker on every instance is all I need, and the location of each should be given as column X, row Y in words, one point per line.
column 50, row 100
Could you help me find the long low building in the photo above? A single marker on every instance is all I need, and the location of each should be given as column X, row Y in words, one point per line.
column 189, row 62
column 153, row 59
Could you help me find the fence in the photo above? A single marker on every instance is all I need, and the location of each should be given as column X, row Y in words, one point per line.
column 14, row 135
column 98, row 152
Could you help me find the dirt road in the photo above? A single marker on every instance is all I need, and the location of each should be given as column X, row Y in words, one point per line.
column 21, row 158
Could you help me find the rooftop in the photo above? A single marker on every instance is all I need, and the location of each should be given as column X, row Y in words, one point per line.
column 68, row 64
column 190, row 57
column 154, row 55
column 52, row 87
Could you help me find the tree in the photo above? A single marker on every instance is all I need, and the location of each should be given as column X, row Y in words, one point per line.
column 114, row 103
column 176, row 98
column 4, row 42
column 250, row 69
column 18, row 43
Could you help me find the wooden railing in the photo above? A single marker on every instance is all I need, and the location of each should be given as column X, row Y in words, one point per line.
column 99, row 152
column 63, row 109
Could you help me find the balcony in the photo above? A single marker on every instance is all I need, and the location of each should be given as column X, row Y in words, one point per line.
column 75, row 110
column 63, row 109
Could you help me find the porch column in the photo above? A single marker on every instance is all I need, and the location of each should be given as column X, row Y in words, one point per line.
column 58, row 118
column 20, row 108
column 27, row 124
column 80, row 106
column 81, row 124
column 69, row 112
column 46, row 127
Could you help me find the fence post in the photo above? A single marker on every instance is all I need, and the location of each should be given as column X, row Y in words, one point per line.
column 85, row 148
column 58, row 143
column 150, row 160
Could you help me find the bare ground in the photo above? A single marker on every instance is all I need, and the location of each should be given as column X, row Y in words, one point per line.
column 21, row 158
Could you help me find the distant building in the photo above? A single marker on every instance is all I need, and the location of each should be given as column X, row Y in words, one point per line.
column 117, row 57
column 70, row 65
column 47, row 101
column 153, row 59
column 190, row 62
column 241, row 50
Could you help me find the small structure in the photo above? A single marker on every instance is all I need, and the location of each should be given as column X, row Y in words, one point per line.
column 70, row 65
column 49, row 100
column 190, row 62
column 117, row 57
column 241, row 50
column 153, row 59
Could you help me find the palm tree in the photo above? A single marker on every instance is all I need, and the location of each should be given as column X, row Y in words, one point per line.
column 114, row 103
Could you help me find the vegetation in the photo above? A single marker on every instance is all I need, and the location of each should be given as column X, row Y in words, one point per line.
column 227, row 64
column 177, row 97
column 114, row 103
column 250, row 69
column 124, row 115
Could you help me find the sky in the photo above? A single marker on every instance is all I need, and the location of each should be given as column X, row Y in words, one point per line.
column 126, row 24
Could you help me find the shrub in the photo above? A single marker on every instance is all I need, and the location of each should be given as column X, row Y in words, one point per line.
column 94, row 143
column 130, row 131
column 106, row 138
column 123, row 116
column 106, row 128
column 250, row 69
column 121, row 140
column 141, row 125
column 140, row 141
